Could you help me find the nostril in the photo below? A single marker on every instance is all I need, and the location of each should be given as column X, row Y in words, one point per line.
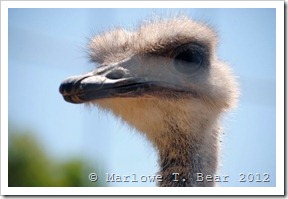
column 116, row 74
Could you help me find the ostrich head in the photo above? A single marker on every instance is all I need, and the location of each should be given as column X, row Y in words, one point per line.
column 166, row 81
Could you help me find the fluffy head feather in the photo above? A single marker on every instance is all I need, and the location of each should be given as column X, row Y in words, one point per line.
column 153, row 36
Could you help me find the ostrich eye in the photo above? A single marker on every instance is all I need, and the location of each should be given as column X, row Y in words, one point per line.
column 188, row 60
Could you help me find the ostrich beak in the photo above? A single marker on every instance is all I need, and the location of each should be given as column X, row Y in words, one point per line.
column 99, row 84
column 123, row 79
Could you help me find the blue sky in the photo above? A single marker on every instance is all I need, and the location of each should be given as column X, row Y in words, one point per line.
column 48, row 45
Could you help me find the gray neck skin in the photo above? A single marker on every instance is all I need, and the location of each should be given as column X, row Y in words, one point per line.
column 186, row 156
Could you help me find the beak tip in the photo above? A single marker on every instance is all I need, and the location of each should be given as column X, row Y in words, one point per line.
column 61, row 88
column 67, row 85
column 72, row 100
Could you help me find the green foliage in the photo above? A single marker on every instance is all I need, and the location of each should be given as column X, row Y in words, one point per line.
column 30, row 166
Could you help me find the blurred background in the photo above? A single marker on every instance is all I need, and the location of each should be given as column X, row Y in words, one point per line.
column 54, row 143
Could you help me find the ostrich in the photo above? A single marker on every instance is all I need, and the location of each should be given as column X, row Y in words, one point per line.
column 165, row 80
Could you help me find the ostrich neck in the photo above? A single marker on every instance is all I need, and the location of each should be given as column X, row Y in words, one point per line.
column 184, row 156
column 186, row 139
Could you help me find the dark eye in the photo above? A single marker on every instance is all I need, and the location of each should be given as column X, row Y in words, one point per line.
column 188, row 60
